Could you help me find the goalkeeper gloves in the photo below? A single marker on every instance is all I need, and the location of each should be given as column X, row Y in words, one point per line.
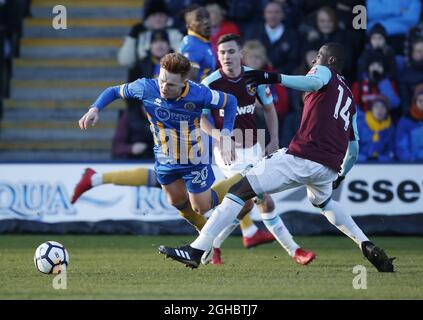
column 258, row 77
column 337, row 182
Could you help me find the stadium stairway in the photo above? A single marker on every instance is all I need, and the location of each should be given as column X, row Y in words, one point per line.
column 59, row 74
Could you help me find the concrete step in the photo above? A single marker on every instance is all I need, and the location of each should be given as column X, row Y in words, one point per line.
column 103, row 10
column 50, row 48
column 13, row 134
column 75, row 32
column 89, row 3
column 58, row 105
column 33, row 155
column 66, row 52
column 94, row 74
column 108, row 115
column 57, row 43
column 60, row 145
column 65, row 63
column 53, row 124
column 58, row 90
column 82, row 22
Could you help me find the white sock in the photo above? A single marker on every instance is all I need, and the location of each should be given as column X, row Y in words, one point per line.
column 249, row 231
column 222, row 216
column 276, row 226
column 217, row 243
column 343, row 221
column 96, row 179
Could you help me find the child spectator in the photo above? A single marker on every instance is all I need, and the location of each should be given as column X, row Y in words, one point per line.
column 376, row 131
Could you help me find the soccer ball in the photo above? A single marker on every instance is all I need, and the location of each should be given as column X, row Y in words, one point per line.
column 51, row 257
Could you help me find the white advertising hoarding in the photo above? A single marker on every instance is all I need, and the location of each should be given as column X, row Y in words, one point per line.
column 42, row 192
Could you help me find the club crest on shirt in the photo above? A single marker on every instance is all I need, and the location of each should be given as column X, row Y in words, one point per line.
column 252, row 90
column 189, row 106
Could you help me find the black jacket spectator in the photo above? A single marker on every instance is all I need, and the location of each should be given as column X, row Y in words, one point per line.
column 376, row 47
column 283, row 52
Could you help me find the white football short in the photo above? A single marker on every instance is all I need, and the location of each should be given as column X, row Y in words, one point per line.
column 281, row 171
column 244, row 158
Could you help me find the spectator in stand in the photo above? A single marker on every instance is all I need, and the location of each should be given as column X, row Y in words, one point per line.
column 219, row 24
column 378, row 46
column 376, row 131
column 137, row 43
column 306, row 64
column 326, row 29
column 376, row 82
column 255, row 57
column 132, row 139
column 343, row 9
column 245, row 13
column 398, row 17
column 409, row 135
column 149, row 66
column 177, row 8
column 411, row 76
column 281, row 42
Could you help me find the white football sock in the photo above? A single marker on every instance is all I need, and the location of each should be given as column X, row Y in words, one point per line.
column 222, row 216
column 217, row 243
column 96, row 179
column 343, row 221
column 276, row 226
column 249, row 231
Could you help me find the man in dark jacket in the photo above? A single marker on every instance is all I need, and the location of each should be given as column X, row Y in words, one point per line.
column 281, row 42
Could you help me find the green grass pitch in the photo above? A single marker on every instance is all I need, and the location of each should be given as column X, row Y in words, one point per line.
column 129, row 267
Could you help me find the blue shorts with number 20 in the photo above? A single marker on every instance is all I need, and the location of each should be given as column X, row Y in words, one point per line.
column 197, row 178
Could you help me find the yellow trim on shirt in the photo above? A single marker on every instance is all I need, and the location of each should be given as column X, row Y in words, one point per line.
column 184, row 92
column 225, row 100
column 156, row 141
column 205, row 73
column 198, row 36
column 162, row 133
column 198, row 135
column 174, row 143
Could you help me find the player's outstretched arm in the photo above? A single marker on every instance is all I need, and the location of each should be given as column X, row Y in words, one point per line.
column 105, row 98
column 317, row 77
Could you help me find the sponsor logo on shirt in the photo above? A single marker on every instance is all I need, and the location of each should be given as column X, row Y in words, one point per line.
column 241, row 110
column 162, row 114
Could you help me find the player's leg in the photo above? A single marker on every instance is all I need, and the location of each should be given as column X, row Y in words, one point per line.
column 223, row 215
column 132, row 177
column 267, row 176
column 251, row 234
column 319, row 194
column 275, row 225
column 174, row 187
column 215, row 256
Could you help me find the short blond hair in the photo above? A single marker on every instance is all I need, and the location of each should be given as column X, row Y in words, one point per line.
column 251, row 45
